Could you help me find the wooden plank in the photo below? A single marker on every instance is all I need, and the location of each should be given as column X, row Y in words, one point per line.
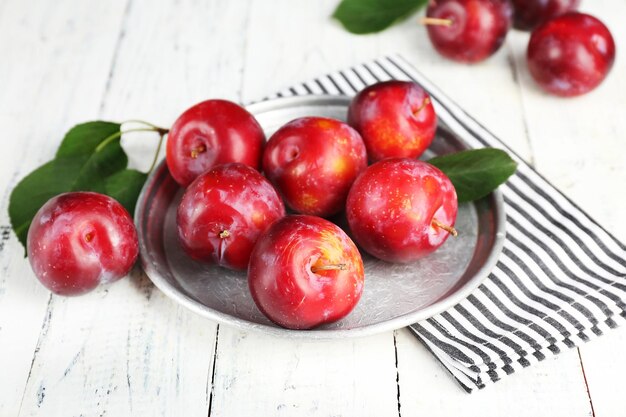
column 194, row 51
column 554, row 387
column 314, row 372
column 263, row 375
column 579, row 146
column 426, row 387
column 306, row 42
column 604, row 364
column 127, row 349
column 558, row 384
column 43, row 47
column 257, row 374
column 579, row 142
column 123, row 350
column 175, row 55
column 583, row 158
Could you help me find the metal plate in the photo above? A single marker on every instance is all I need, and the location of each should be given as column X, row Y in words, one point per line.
column 394, row 295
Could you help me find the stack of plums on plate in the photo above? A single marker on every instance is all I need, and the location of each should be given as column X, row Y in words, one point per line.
column 569, row 53
column 303, row 270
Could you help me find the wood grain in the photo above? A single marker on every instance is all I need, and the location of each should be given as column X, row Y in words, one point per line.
column 128, row 350
column 263, row 375
column 579, row 146
column 554, row 387
column 54, row 71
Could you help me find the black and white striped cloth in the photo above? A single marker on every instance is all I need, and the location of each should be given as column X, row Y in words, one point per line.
column 560, row 280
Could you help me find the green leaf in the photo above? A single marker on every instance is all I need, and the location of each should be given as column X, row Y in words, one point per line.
column 83, row 139
column 125, row 186
column 477, row 172
column 34, row 190
column 90, row 158
column 368, row 16
column 99, row 165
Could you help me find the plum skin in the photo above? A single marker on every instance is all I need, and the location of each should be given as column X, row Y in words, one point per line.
column 313, row 161
column 284, row 278
column 571, row 54
column 396, row 119
column 211, row 133
column 223, row 212
column 528, row 14
column 391, row 207
column 79, row 240
column 478, row 28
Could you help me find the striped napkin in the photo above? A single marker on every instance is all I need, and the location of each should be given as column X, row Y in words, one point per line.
column 560, row 279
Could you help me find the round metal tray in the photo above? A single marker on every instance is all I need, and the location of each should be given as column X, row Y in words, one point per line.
column 394, row 295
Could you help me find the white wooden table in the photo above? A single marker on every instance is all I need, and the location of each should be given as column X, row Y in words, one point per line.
column 128, row 350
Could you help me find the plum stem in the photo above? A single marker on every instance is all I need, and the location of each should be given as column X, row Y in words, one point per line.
column 330, row 267
column 151, row 128
column 435, row 21
column 421, row 107
column 449, row 229
column 119, row 134
column 159, row 130
column 158, row 149
column 197, row 151
column 224, row 234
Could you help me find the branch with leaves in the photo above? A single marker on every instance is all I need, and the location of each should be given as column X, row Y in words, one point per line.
column 90, row 158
